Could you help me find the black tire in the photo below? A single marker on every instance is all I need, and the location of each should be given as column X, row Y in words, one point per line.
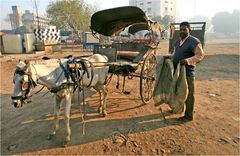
column 148, row 77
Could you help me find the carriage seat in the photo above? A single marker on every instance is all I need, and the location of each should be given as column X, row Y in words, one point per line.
column 123, row 52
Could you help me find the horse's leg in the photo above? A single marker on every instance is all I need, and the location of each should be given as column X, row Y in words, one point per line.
column 57, row 108
column 67, row 118
column 100, row 108
column 104, row 91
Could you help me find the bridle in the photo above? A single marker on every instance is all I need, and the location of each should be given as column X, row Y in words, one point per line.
column 29, row 84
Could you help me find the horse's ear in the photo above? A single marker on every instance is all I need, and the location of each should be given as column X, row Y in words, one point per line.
column 26, row 62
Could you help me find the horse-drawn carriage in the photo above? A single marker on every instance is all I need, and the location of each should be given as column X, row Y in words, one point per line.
column 131, row 59
column 63, row 76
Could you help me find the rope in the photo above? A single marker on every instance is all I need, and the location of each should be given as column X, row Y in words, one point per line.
column 92, row 73
column 79, row 89
column 84, row 106
column 108, row 79
column 39, row 90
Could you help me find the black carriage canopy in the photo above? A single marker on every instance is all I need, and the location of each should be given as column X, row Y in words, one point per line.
column 134, row 28
column 107, row 22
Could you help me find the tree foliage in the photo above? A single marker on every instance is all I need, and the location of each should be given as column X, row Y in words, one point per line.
column 165, row 21
column 225, row 22
column 157, row 18
column 70, row 14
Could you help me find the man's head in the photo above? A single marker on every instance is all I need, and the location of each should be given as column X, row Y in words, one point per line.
column 185, row 30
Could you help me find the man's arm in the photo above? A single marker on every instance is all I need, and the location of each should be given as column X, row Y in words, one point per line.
column 171, row 54
column 199, row 54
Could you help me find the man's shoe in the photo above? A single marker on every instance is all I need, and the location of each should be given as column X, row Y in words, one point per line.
column 185, row 119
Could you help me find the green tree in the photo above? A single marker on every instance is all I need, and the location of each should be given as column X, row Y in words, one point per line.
column 165, row 21
column 225, row 22
column 235, row 21
column 70, row 14
column 157, row 18
column 220, row 22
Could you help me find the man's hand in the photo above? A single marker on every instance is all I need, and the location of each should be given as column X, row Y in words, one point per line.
column 183, row 62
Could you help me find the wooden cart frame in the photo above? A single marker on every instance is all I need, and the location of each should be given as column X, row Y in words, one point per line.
column 128, row 59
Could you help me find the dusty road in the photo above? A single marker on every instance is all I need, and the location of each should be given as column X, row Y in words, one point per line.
column 214, row 130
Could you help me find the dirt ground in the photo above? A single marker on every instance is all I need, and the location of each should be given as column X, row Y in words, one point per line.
column 131, row 128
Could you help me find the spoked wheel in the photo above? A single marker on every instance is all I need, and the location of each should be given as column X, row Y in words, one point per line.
column 148, row 78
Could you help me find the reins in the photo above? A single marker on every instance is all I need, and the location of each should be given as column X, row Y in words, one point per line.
column 39, row 90
column 81, row 88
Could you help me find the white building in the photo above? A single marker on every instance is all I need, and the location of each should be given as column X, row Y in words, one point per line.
column 155, row 8
column 30, row 21
column 27, row 19
column 16, row 17
column 44, row 22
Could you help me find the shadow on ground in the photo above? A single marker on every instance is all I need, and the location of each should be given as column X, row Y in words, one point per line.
column 31, row 125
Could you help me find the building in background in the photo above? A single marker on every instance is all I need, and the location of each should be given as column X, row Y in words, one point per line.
column 16, row 17
column 155, row 8
column 43, row 22
column 27, row 21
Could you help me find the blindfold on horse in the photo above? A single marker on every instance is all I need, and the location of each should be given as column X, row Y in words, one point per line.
column 25, row 84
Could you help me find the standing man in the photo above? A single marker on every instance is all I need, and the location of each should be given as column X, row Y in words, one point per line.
column 187, row 51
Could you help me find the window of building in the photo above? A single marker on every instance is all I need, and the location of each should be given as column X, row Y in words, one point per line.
column 166, row 8
column 149, row 10
column 166, row 1
column 141, row 3
column 149, row 2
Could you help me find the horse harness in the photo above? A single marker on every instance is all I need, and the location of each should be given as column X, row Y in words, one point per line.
column 73, row 75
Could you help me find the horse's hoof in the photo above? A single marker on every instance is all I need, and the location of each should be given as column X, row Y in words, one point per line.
column 104, row 113
column 65, row 143
column 50, row 136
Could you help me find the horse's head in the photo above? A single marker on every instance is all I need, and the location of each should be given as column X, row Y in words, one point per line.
column 157, row 31
column 22, row 84
column 157, row 27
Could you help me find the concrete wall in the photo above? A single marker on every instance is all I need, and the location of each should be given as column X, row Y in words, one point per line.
column 29, row 42
column 12, row 44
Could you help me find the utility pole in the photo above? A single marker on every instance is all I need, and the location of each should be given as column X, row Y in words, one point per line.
column 36, row 6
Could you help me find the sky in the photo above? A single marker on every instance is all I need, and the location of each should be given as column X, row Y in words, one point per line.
column 186, row 9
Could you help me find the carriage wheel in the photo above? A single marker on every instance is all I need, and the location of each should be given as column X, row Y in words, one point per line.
column 147, row 77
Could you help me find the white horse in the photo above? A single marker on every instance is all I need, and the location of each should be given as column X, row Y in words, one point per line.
column 52, row 74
